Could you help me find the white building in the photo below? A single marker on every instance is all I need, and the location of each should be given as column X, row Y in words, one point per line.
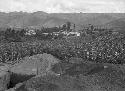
column 30, row 32
column 45, row 34
column 73, row 33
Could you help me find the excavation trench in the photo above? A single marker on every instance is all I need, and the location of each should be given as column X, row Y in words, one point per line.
column 18, row 78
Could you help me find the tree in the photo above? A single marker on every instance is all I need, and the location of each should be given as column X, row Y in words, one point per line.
column 68, row 26
column 74, row 26
column 22, row 32
column 64, row 27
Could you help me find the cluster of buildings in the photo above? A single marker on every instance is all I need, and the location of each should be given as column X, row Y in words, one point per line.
column 65, row 32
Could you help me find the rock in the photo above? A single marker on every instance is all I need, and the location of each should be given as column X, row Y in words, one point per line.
column 37, row 64
column 22, row 88
column 4, row 77
column 16, row 87
column 97, row 77
column 11, row 89
column 109, row 79
column 45, row 83
column 31, row 66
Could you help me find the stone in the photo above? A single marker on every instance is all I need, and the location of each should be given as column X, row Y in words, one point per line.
column 73, row 76
column 107, row 80
column 4, row 77
column 31, row 66
column 35, row 65
column 16, row 87
column 97, row 77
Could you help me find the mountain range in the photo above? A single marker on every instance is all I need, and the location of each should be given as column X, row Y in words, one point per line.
column 36, row 19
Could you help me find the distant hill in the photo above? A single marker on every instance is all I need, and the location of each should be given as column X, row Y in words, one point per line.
column 118, row 24
column 54, row 21
column 22, row 19
column 100, row 19
column 85, row 18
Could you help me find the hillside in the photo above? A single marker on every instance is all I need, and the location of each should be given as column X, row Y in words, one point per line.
column 93, row 18
column 24, row 19
column 118, row 24
column 53, row 21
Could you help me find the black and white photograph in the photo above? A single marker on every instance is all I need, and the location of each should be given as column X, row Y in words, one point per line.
column 62, row 45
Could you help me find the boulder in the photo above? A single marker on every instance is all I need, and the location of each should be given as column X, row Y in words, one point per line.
column 4, row 77
column 31, row 66
column 35, row 65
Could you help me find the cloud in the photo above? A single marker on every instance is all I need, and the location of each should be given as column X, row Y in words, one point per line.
column 59, row 6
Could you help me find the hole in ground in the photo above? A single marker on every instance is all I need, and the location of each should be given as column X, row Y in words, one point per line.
column 18, row 78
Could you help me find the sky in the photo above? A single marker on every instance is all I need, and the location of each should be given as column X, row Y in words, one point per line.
column 63, row 6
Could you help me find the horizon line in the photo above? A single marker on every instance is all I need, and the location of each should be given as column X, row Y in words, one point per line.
column 59, row 12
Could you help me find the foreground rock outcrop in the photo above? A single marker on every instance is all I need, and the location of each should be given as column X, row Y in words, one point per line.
column 4, row 77
column 31, row 66
column 37, row 64
column 85, row 76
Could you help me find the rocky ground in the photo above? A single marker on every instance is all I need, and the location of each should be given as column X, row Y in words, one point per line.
column 25, row 69
column 74, row 75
